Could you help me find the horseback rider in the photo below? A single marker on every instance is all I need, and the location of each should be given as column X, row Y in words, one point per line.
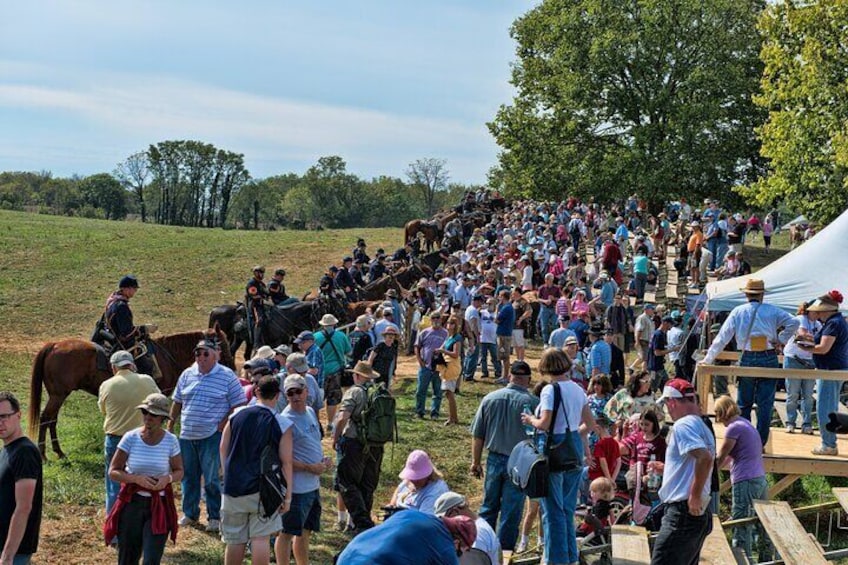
column 122, row 333
column 328, row 281
column 378, row 269
column 356, row 272
column 359, row 252
column 277, row 290
column 255, row 294
column 344, row 281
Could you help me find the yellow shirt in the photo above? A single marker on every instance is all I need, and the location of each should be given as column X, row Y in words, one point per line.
column 119, row 397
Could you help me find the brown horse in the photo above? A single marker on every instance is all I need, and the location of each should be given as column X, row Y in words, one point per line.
column 432, row 232
column 65, row 366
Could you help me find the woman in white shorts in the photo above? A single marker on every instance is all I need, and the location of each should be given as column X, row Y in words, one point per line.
column 452, row 352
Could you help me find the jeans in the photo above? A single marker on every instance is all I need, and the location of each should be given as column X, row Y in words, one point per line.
column 759, row 391
column 641, row 281
column 110, row 446
column 558, row 507
column 798, row 389
column 828, row 402
column 357, row 476
column 428, row 378
column 712, row 245
column 201, row 457
column 681, row 536
column 501, row 496
column 744, row 494
column 137, row 539
column 547, row 317
column 21, row 559
column 469, row 364
column 490, row 350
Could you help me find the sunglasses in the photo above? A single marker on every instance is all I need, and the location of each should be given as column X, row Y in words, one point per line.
column 294, row 391
column 201, row 353
column 4, row 417
column 148, row 413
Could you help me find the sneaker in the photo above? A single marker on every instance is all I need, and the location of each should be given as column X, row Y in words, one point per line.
column 790, row 428
column 186, row 521
column 501, row 381
column 213, row 526
column 822, row 450
column 807, row 430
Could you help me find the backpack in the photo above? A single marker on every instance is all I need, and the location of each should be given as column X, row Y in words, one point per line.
column 272, row 482
column 377, row 423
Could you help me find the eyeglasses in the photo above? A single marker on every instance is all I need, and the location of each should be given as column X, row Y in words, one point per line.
column 294, row 391
column 4, row 417
column 149, row 413
column 201, row 353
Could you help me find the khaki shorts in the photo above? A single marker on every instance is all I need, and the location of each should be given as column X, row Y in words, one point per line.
column 518, row 338
column 241, row 519
column 504, row 347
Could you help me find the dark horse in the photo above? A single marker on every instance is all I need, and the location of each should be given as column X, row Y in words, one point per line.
column 65, row 366
column 432, row 232
column 283, row 322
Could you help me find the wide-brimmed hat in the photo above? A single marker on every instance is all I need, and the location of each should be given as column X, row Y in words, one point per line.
column 364, row 369
column 753, row 286
column 283, row 349
column 418, row 466
column 264, row 352
column 823, row 304
column 157, row 404
column 328, row 320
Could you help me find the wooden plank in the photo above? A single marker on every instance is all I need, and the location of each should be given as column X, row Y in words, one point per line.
column 782, row 485
column 673, row 277
column 650, row 297
column 841, row 494
column 671, row 291
column 804, row 374
column 630, row 545
column 716, row 550
column 787, row 534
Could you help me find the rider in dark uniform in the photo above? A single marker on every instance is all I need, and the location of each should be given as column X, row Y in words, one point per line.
column 378, row 268
column 403, row 255
column 255, row 294
column 328, row 284
column 118, row 320
column 356, row 272
column 359, row 252
column 344, row 281
column 277, row 289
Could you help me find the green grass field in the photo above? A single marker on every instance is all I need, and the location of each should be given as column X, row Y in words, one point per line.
column 55, row 274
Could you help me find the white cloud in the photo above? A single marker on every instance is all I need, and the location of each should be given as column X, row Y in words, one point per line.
column 151, row 108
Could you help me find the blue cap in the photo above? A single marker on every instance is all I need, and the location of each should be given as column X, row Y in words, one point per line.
column 128, row 281
column 648, row 307
column 304, row 336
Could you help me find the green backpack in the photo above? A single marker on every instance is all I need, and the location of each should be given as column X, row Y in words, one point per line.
column 377, row 423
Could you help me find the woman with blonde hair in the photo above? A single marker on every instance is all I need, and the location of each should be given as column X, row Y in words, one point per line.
column 573, row 420
column 743, row 448
column 421, row 484
column 450, row 373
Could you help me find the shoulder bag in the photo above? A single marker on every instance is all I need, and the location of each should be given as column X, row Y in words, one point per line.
column 563, row 456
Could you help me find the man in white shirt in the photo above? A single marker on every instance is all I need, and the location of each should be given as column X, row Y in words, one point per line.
column 759, row 329
column 488, row 338
column 674, row 337
column 472, row 330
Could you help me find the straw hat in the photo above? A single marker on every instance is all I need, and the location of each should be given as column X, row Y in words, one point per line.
column 753, row 286
column 364, row 369
column 824, row 304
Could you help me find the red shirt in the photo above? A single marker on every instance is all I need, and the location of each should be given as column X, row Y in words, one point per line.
column 607, row 449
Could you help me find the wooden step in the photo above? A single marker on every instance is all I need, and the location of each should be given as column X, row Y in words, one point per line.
column 716, row 549
column 787, row 534
column 630, row 545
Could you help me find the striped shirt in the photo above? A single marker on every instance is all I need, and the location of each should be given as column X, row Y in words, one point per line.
column 315, row 360
column 206, row 400
column 149, row 460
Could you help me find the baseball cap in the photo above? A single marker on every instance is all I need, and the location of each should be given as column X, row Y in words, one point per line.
column 520, row 369
column 297, row 362
column 447, row 501
column 648, row 307
column 305, row 335
column 294, row 381
column 122, row 359
column 677, row 388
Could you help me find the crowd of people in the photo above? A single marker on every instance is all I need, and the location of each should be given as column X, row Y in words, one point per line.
column 614, row 369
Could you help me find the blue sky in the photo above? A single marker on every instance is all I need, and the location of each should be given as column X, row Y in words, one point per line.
column 83, row 84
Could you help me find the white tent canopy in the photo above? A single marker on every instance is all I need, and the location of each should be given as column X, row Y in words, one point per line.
column 802, row 219
column 804, row 273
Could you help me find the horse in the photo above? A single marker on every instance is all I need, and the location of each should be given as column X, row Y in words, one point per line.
column 65, row 366
column 432, row 231
column 232, row 319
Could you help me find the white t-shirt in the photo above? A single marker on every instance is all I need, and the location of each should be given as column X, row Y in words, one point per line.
column 791, row 349
column 487, row 541
column 527, row 278
column 687, row 434
column 675, row 337
column 150, row 460
column 472, row 314
column 488, row 327
column 573, row 400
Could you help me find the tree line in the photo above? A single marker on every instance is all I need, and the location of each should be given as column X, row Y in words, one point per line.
column 192, row 183
column 741, row 100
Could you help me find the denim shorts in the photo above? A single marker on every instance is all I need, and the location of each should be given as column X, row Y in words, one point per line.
column 304, row 513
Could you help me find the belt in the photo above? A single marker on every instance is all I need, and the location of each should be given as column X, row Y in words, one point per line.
column 119, row 436
column 766, row 352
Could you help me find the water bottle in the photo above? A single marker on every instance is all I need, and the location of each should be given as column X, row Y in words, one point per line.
column 654, row 478
column 528, row 429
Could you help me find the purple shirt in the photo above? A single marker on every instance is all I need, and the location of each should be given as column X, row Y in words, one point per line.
column 747, row 454
column 430, row 340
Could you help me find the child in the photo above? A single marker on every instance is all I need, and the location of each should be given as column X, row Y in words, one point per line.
column 606, row 456
column 602, row 491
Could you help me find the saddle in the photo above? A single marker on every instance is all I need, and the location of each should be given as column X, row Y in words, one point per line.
column 102, row 358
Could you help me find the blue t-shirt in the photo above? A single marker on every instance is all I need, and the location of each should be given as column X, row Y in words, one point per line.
column 600, row 358
column 658, row 341
column 558, row 337
column 579, row 327
column 837, row 358
column 251, row 429
column 408, row 537
column 306, row 448
column 505, row 320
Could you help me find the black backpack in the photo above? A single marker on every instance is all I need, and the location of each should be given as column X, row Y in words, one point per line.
column 272, row 482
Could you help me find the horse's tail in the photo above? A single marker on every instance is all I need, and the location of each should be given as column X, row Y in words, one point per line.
column 407, row 237
column 35, row 385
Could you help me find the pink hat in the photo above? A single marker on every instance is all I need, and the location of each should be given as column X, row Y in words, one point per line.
column 418, row 466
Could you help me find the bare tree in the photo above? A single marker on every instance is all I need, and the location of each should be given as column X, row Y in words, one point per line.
column 133, row 174
column 428, row 176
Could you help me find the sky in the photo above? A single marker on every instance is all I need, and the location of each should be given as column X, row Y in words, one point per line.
column 84, row 84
